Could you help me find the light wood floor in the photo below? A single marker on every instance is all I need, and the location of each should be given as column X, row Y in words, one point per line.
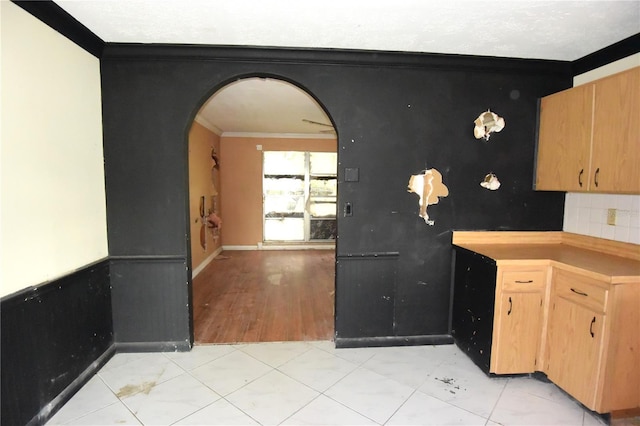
column 265, row 296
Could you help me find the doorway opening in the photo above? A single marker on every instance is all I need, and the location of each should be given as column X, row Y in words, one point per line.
column 262, row 236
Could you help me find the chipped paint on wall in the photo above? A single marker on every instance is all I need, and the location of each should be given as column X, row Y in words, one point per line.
column 490, row 182
column 487, row 123
column 429, row 187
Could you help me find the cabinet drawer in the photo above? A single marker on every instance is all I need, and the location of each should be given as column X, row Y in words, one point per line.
column 585, row 291
column 523, row 280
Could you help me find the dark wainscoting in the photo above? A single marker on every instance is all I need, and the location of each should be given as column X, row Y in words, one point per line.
column 54, row 337
column 151, row 299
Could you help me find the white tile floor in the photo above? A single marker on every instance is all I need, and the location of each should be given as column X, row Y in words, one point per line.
column 312, row 383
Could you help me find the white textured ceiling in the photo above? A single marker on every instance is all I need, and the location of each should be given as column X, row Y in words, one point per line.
column 557, row 30
column 259, row 105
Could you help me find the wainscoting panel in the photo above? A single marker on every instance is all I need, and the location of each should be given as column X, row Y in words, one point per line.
column 151, row 303
column 51, row 335
column 365, row 300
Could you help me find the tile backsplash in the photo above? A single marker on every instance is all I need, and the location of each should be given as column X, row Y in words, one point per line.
column 586, row 214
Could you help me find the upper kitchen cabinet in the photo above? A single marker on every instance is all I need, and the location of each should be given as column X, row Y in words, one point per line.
column 589, row 137
column 616, row 134
column 564, row 140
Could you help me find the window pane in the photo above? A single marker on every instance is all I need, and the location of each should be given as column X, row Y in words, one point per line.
column 288, row 229
column 323, row 163
column 323, row 187
column 323, row 209
column 283, row 195
column 323, row 230
column 284, row 163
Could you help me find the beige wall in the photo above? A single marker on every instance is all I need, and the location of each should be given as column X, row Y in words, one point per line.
column 53, row 215
column 241, row 182
column 586, row 213
column 202, row 182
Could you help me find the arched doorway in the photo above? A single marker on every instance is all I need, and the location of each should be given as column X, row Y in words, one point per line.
column 247, row 284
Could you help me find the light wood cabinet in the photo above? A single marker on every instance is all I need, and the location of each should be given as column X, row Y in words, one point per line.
column 575, row 342
column 562, row 304
column 589, row 137
column 517, row 327
column 593, row 342
column 616, row 134
column 564, row 140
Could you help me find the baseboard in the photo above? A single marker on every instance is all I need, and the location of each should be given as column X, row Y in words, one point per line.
column 128, row 347
column 269, row 246
column 364, row 342
column 63, row 397
column 206, row 262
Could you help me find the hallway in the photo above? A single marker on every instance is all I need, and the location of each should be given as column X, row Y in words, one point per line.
column 265, row 296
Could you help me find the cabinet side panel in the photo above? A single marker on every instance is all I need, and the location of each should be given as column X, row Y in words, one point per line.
column 621, row 388
column 473, row 306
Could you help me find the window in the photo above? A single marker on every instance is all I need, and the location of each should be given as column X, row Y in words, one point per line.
column 299, row 193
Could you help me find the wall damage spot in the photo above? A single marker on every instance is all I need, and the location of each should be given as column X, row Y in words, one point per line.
column 487, row 123
column 490, row 182
column 429, row 187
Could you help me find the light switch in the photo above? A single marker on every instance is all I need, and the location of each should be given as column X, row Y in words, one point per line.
column 348, row 209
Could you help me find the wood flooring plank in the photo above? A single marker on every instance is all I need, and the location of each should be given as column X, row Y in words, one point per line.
column 262, row 296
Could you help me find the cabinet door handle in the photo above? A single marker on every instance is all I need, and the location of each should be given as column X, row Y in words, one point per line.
column 580, row 177
column 595, row 176
column 591, row 326
column 578, row 292
column 524, row 282
column 510, row 306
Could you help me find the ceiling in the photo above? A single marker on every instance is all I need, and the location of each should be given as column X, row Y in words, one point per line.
column 534, row 29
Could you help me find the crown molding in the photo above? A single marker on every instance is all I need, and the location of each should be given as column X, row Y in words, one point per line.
column 60, row 20
column 207, row 124
column 627, row 47
column 277, row 135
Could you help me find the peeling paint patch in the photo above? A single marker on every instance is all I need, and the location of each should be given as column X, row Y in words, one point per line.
column 490, row 182
column 487, row 123
column 429, row 187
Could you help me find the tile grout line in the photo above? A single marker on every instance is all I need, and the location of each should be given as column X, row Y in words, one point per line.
column 120, row 401
column 399, row 407
column 497, row 401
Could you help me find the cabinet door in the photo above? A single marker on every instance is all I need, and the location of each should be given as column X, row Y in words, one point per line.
column 575, row 341
column 518, row 333
column 616, row 134
column 564, row 140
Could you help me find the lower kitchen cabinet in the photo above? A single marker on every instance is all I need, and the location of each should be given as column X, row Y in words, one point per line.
column 498, row 313
column 517, row 331
column 575, row 343
column 594, row 341
column 561, row 304
column 517, row 325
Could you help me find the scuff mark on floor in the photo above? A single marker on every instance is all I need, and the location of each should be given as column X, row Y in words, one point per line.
column 450, row 382
column 274, row 279
column 130, row 390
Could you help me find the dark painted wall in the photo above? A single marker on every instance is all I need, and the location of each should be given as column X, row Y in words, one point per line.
column 474, row 293
column 396, row 114
column 51, row 335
